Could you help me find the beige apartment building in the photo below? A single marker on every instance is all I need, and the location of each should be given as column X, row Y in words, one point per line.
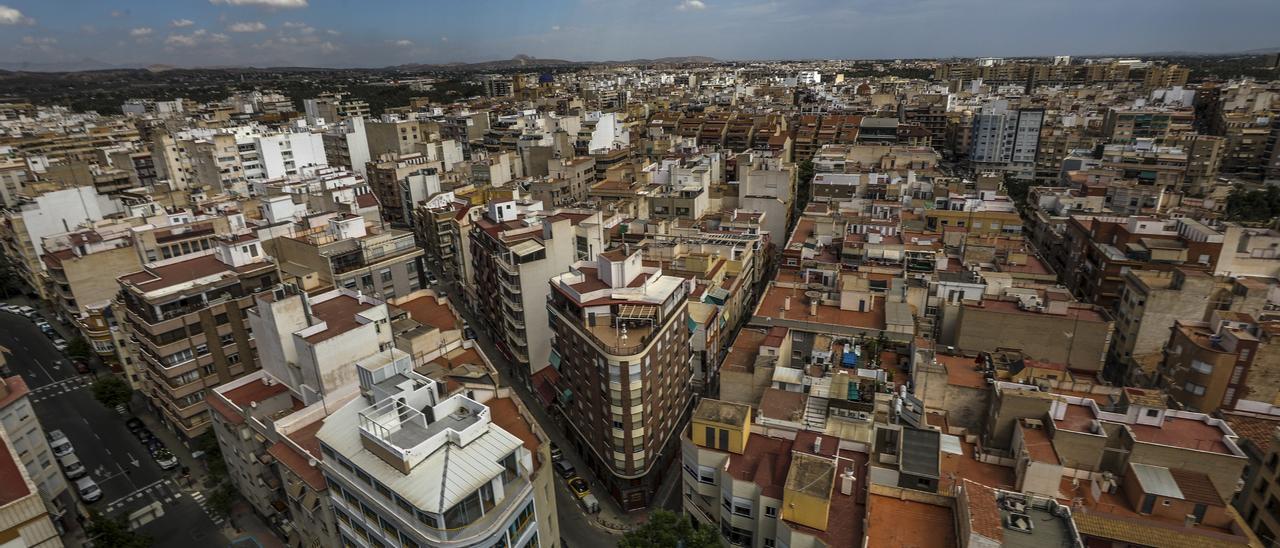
column 346, row 251
column 187, row 329
column 624, row 325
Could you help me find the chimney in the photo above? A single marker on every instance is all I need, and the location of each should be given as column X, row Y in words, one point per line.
column 813, row 306
column 817, row 445
column 1190, row 520
column 786, row 303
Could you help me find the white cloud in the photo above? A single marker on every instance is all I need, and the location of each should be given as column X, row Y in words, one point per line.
column 11, row 16
column 555, row 28
column 247, row 26
column 119, row 13
column 444, row 38
column 692, row 5
column 140, row 32
column 42, row 41
column 403, row 43
column 293, row 24
column 332, row 32
column 274, row 4
column 179, row 23
column 180, row 40
column 219, row 38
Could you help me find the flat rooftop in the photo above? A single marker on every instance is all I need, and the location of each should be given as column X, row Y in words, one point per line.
column 908, row 524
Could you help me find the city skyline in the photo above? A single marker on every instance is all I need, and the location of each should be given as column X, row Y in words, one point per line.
column 331, row 34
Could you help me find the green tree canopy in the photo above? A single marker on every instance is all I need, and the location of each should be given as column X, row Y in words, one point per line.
column 1257, row 206
column 668, row 530
column 104, row 531
column 79, row 348
column 112, row 391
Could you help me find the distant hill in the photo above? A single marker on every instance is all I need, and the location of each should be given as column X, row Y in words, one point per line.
column 526, row 61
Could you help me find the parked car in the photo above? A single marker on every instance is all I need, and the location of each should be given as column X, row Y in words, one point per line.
column 55, row 435
column 60, row 344
column 565, row 469
column 165, row 459
column 155, row 446
column 81, row 367
column 134, row 424
column 12, row 308
column 579, row 487
column 589, row 503
column 88, row 489
column 44, row 326
column 144, row 435
column 431, row 279
column 556, row 454
column 72, row 467
column 27, row 311
column 61, row 446
column 469, row 334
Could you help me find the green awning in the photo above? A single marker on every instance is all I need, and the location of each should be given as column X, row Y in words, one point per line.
column 554, row 358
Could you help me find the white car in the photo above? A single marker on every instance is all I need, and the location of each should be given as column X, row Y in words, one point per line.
column 165, row 459
column 88, row 489
column 27, row 311
column 61, row 445
column 12, row 308
column 60, row 345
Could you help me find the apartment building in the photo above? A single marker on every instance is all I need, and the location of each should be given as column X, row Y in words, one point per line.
column 1249, row 252
column 515, row 248
column 1148, row 307
column 1047, row 326
column 27, row 438
column 345, row 250
column 24, row 520
column 796, row 489
column 333, row 108
column 74, row 263
column 619, row 313
column 185, row 318
column 1129, row 125
column 45, row 214
column 346, row 145
column 1260, row 439
column 443, row 226
column 1006, row 139
column 391, row 461
column 1098, row 248
column 387, row 174
column 1231, row 361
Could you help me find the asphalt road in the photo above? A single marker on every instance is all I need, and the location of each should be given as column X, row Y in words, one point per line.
column 116, row 460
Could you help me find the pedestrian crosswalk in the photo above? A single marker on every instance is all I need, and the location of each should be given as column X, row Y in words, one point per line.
column 204, row 505
column 55, row 389
column 165, row 492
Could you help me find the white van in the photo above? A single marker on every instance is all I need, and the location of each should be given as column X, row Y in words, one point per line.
column 88, row 489
column 72, row 466
column 61, row 446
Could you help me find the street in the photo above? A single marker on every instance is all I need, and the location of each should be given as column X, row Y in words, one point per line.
column 116, row 460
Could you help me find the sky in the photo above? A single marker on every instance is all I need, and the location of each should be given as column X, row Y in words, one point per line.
column 376, row 33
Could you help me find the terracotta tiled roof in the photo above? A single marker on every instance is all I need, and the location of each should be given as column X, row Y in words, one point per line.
column 984, row 511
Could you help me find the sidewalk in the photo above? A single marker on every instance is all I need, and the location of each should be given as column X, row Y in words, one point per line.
column 246, row 530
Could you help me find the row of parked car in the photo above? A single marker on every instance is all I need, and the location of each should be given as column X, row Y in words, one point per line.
column 578, row 486
column 75, row 470
column 45, row 327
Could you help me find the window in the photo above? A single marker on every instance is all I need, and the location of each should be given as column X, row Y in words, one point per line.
column 1193, row 389
column 1201, row 367
column 770, row 511
column 1153, row 412
column 385, row 274
column 428, row 520
column 707, row 475
column 742, row 507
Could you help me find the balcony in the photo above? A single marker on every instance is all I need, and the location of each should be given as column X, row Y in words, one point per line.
column 625, row 333
column 515, row 304
column 511, row 288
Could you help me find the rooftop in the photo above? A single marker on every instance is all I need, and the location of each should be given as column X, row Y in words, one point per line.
column 909, row 524
column 721, row 412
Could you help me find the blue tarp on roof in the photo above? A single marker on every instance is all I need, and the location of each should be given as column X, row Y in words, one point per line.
column 849, row 360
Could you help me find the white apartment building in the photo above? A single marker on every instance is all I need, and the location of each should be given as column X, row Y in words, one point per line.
column 1006, row 139
column 407, row 467
column 27, row 438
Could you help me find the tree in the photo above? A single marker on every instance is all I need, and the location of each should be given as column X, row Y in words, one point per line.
column 112, row 391
column 1256, row 206
column 666, row 530
column 79, row 349
column 207, row 443
column 104, row 531
column 221, row 499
